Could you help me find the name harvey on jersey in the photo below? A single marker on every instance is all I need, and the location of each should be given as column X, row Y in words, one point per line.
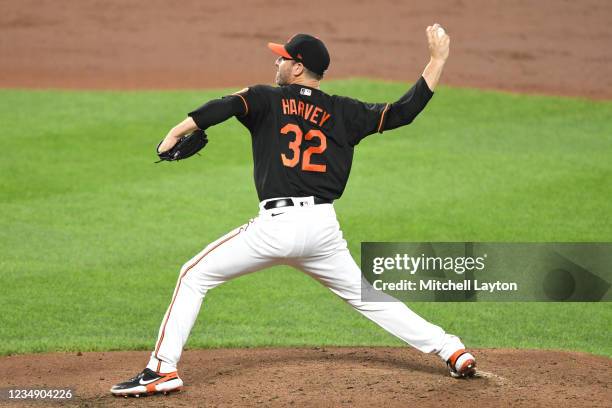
column 309, row 112
column 449, row 285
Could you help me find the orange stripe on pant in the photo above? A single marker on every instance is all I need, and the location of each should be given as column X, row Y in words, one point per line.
column 161, row 337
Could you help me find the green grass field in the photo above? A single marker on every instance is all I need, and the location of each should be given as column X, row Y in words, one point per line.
column 92, row 233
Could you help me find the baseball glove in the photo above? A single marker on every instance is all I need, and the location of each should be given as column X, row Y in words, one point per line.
column 187, row 146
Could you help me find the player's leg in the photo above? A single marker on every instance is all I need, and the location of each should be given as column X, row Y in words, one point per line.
column 340, row 273
column 329, row 261
column 235, row 254
column 254, row 246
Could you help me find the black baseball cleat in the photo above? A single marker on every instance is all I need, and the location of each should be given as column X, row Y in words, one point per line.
column 461, row 364
column 148, row 382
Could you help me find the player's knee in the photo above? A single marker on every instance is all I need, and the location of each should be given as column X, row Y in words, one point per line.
column 192, row 268
column 194, row 263
column 191, row 283
column 186, row 266
column 356, row 303
column 197, row 261
column 362, row 306
column 201, row 276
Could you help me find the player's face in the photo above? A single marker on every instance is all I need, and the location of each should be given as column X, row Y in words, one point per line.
column 283, row 71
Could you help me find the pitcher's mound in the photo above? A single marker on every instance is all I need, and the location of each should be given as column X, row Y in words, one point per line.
column 331, row 377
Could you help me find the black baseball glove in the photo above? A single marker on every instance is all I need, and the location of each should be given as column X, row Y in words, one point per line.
column 187, row 146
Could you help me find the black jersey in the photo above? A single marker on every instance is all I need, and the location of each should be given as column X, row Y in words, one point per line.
column 303, row 138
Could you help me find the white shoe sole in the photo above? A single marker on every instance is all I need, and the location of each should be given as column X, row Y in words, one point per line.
column 166, row 387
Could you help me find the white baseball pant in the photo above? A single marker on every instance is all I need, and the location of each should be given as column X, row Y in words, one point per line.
column 305, row 236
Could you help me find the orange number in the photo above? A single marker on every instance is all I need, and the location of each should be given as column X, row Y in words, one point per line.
column 306, row 165
column 295, row 145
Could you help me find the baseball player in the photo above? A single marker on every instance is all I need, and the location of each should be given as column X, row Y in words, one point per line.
column 303, row 141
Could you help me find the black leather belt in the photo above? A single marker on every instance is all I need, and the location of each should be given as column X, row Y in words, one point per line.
column 287, row 202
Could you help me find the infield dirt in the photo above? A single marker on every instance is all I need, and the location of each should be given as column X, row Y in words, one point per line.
column 328, row 377
column 544, row 46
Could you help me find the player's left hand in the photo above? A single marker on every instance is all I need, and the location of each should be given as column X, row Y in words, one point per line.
column 187, row 146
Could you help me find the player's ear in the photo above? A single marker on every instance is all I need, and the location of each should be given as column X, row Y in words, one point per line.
column 298, row 69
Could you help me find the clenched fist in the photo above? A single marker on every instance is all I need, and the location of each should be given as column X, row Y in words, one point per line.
column 438, row 44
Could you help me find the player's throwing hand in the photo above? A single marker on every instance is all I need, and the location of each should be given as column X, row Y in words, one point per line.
column 438, row 41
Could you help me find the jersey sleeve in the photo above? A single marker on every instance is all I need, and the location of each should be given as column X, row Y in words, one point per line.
column 255, row 104
column 216, row 111
column 362, row 119
column 407, row 108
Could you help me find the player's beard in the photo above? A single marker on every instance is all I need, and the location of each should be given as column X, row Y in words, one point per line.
column 282, row 77
column 279, row 78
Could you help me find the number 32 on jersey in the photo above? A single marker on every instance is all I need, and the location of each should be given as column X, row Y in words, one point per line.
column 309, row 152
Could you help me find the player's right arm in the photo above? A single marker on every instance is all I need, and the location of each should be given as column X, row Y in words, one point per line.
column 365, row 118
column 405, row 110
column 438, row 49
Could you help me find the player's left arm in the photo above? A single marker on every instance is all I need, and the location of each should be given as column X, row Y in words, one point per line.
column 211, row 113
column 404, row 110
column 185, row 127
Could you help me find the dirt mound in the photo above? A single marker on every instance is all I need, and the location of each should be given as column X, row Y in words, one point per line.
column 546, row 46
column 394, row 377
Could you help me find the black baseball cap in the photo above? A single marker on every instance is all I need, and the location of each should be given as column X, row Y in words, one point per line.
column 306, row 49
